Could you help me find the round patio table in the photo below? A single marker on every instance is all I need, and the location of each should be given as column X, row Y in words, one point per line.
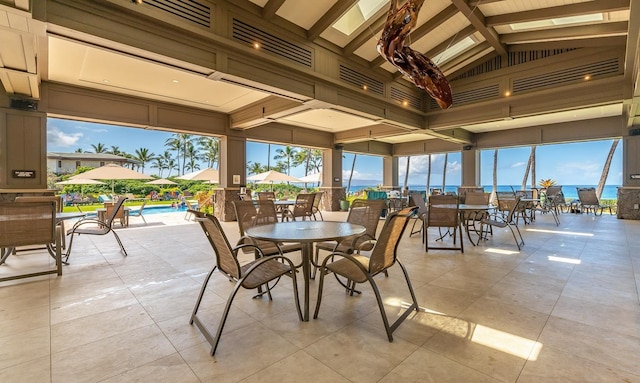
column 305, row 233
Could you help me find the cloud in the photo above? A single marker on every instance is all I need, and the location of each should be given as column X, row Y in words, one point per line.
column 56, row 137
column 518, row 164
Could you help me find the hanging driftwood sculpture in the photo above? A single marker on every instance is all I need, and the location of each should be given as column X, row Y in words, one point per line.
column 416, row 66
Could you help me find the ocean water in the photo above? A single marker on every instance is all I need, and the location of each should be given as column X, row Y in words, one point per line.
column 569, row 191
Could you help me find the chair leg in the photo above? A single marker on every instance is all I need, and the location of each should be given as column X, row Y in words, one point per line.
column 202, row 289
column 119, row 243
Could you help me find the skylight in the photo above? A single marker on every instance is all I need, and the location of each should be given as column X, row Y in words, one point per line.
column 362, row 11
column 557, row 21
column 454, row 50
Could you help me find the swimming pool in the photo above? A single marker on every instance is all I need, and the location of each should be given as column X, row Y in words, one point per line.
column 161, row 209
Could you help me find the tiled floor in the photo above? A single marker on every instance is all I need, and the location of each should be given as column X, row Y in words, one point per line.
column 564, row 309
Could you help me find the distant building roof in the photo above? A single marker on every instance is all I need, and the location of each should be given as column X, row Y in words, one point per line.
column 90, row 156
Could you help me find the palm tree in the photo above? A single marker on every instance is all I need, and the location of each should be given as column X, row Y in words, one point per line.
column 115, row 150
column 211, row 150
column 79, row 150
column 99, row 148
column 605, row 169
column 158, row 163
column 353, row 166
column 406, row 174
column 255, row 168
column 143, row 155
column 180, row 143
column 494, row 190
column 530, row 163
column 288, row 155
column 428, row 174
column 444, row 172
column 170, row 165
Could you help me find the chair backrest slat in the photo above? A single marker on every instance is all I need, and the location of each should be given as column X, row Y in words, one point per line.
column 225, row 258
column 419, row 202
column 384, row 253
column 443, row 217
column 27, row 223
column 588, row 197
column 304, row 205
column 477, row 198
column 366, row 213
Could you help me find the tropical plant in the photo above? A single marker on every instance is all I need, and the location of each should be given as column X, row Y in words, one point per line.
column 99, row 148
column 287, row 155
column 545, row 183
column 255, row 168
column 144, row 155
column 210, row 148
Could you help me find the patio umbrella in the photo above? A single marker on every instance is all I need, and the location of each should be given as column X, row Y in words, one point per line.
column 80, row 181
column 208, row 174
column 161, row 181
column 272, row 176
column 112, row 172
column 317, row 177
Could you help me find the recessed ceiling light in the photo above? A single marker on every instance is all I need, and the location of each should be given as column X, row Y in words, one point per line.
column 587, row 77
column 175, row 81
column 405, row 103
column 507, row 93
column 105, row 81
column 256, row 45
column 365, row 87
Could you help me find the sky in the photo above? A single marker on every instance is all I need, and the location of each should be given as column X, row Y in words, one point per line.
column 568, row 164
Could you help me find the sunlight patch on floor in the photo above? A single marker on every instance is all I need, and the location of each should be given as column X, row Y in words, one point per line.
column 515, row 345
column 561, row 232
column 573, row 261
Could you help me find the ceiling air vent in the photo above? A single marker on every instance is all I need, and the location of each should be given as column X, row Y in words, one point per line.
column 569, row 75
column 267, row 42
column 406, row 98
column 356, row 78
column 189, row 10
column 469, row 96
column 513, row 58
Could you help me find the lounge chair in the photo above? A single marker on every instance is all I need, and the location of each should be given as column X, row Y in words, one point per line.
column 589, row 201
column 138, row 213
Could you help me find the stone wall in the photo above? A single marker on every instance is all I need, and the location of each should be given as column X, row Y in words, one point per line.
column 629, row 202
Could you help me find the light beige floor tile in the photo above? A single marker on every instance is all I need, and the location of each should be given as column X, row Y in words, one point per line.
column 240, row 354
column 295, row 368
column 170, row 369
column 15, row 321
column 556, row 366
column 361, row 353
column 427, row 366
column 111, row 356
column 36, row 370
column 78, row 308
column 24, row 347
column 588, row 342
column 607, row 317
column 87, row 329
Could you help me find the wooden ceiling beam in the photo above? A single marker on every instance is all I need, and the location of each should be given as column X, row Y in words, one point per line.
column 567, row 33
column 329, row 18
column 586, row 8
column 593, row 42
column 270, row 9
column 477, row 19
